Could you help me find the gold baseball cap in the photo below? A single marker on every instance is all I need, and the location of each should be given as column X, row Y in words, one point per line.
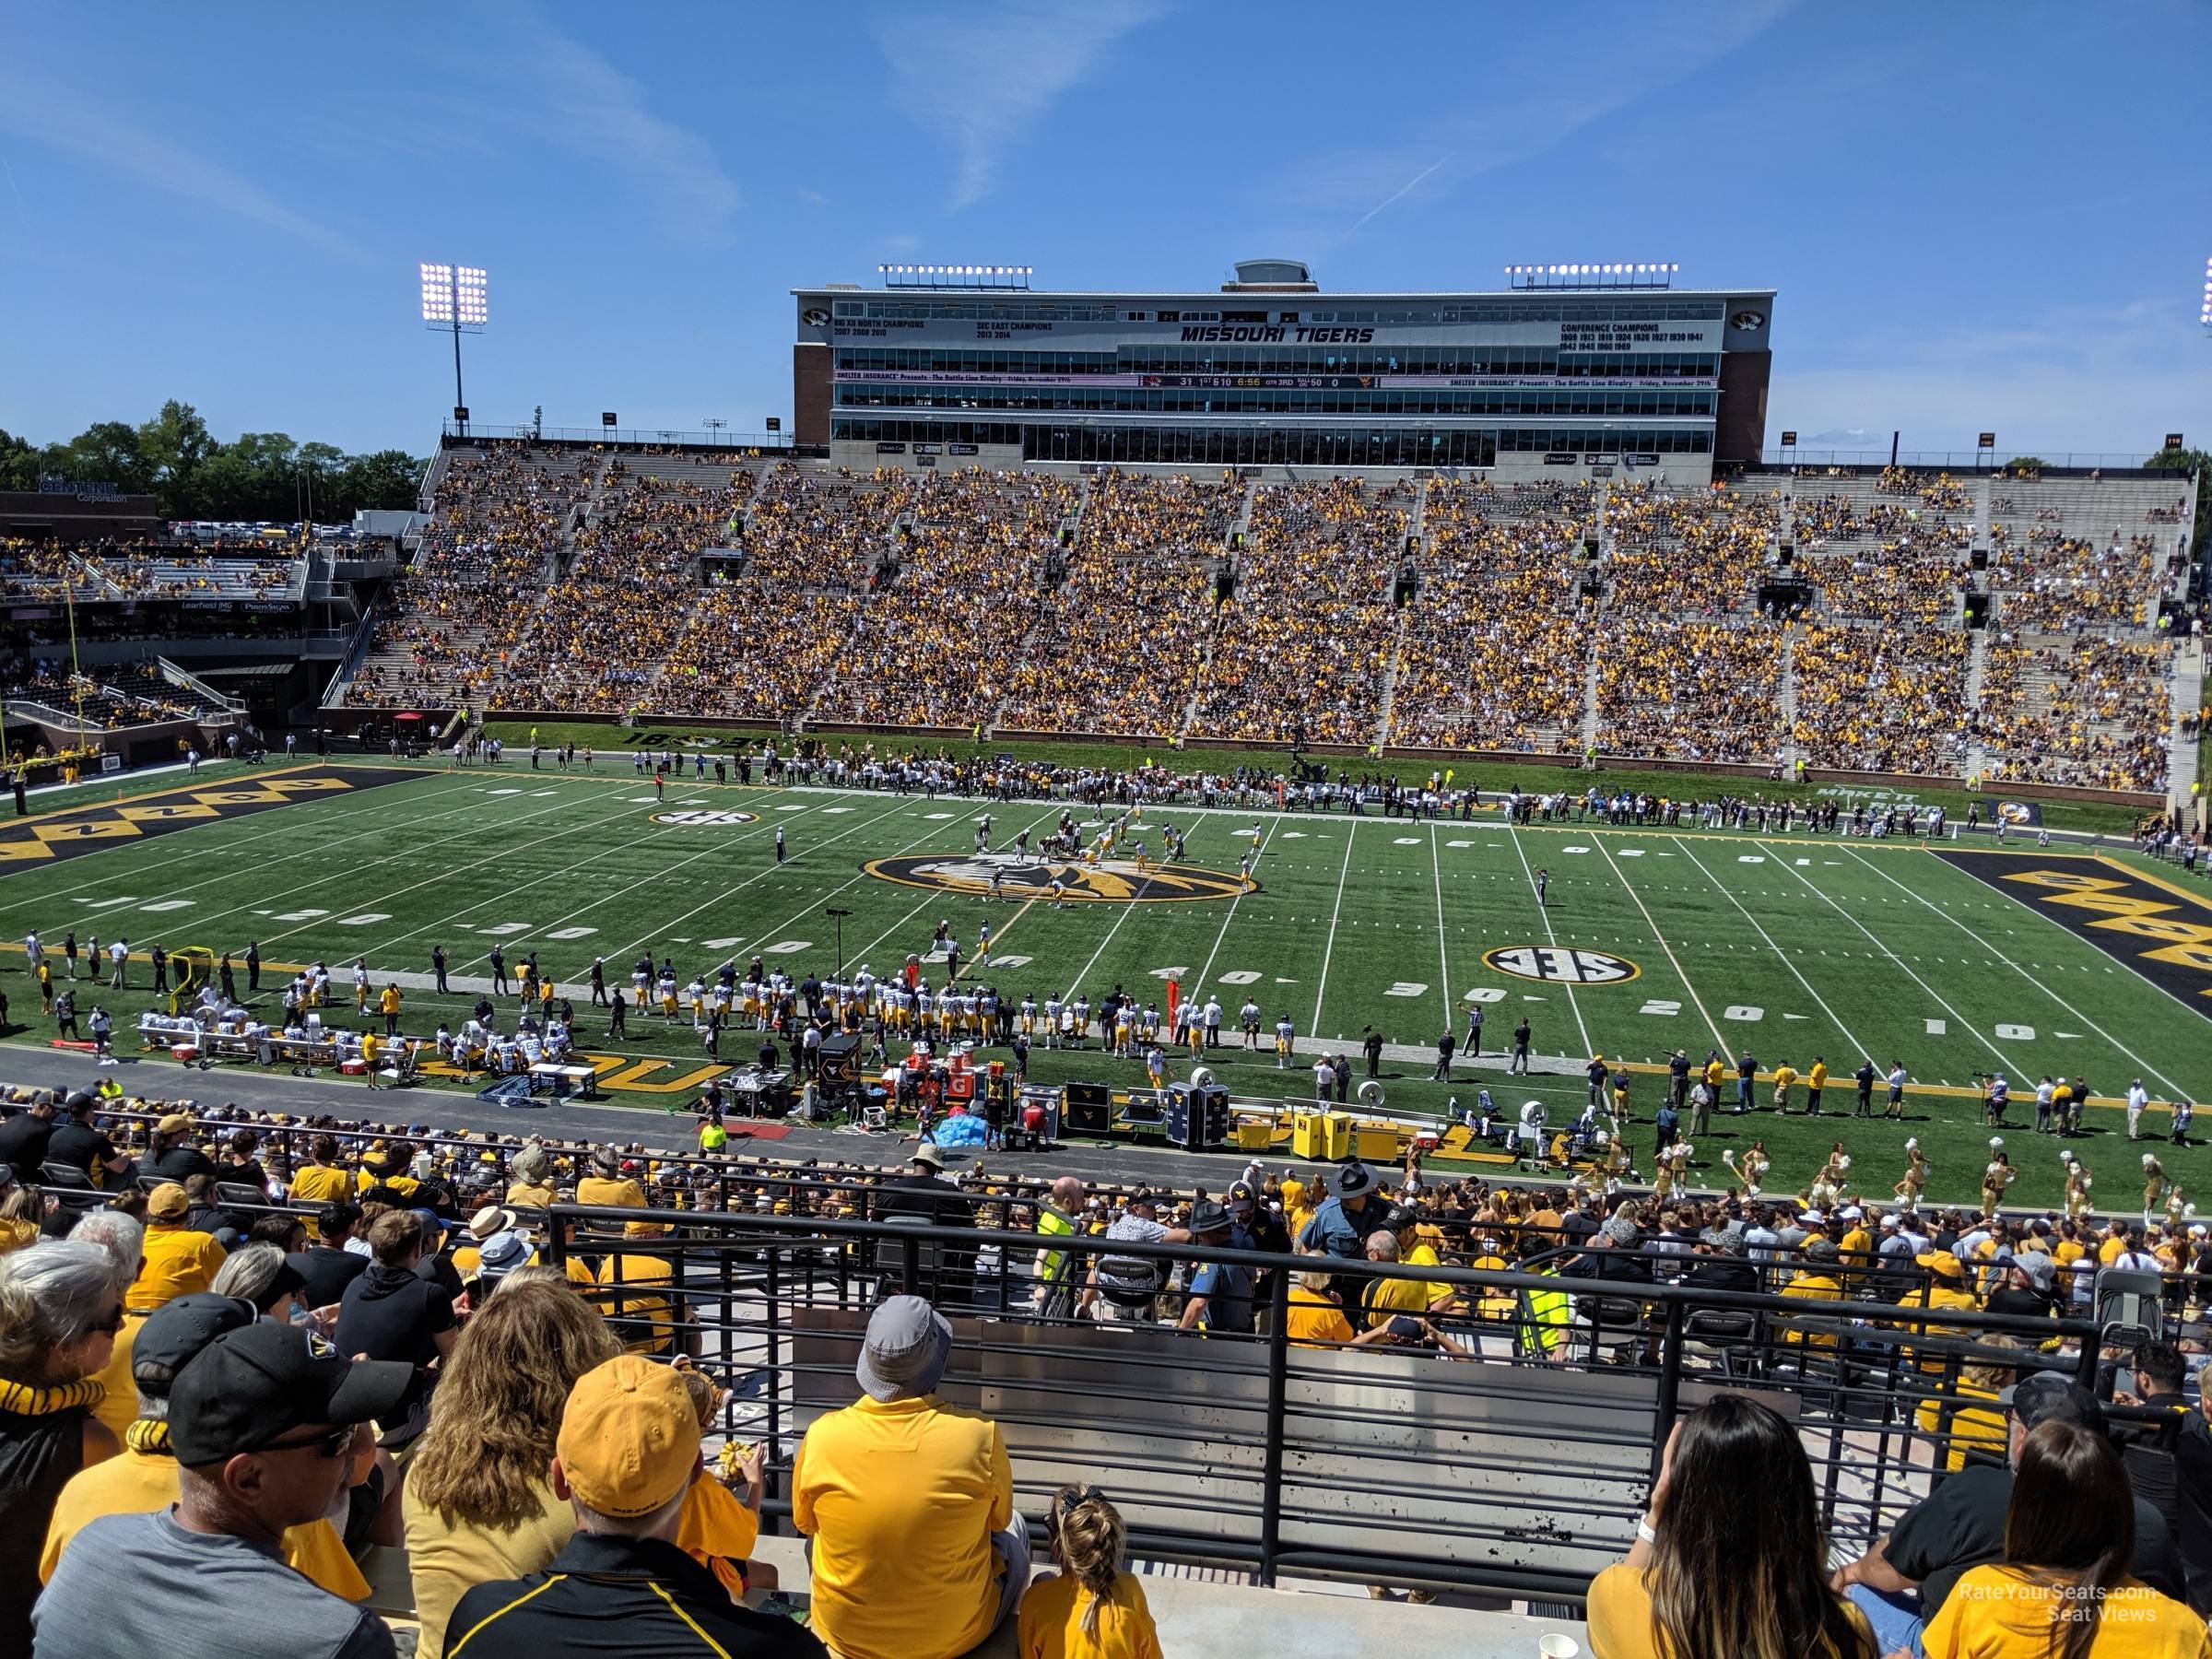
column 629, row 1437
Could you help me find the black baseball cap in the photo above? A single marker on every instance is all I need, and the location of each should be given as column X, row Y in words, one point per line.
column 2048, row 1396
column 174, row 1334
column 257, row 1383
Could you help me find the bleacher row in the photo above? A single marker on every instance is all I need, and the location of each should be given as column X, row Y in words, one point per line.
column 1435, row 613
column 36, row 571
column 113, row 697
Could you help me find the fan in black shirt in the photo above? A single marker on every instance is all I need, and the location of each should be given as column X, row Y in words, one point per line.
column 328, row 1267
column 1960, row 1524
column 171, row 1154
column 81, row 1145
column 24, row 1137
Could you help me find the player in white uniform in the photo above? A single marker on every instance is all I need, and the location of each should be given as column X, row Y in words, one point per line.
column 1053, row 1012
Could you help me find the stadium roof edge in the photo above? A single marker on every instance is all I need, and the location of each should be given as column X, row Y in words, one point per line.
column 1214, row 295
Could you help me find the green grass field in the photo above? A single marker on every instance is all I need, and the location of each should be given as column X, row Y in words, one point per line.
column 1791, row 946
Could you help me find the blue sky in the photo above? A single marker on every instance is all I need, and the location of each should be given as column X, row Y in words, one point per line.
column 1977, row 214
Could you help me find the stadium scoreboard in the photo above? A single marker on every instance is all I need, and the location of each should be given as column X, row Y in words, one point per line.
column 1556, row 381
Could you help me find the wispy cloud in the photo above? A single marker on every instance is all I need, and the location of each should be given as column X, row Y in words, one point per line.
column 81, row 123
column 588, row 106
column 982, row 78
column 814, row 198
column 1401, row 193
column 1552, row 90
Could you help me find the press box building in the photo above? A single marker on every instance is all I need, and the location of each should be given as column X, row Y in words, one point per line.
column 1569, row 371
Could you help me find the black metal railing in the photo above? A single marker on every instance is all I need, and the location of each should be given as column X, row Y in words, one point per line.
column 1518, row 1469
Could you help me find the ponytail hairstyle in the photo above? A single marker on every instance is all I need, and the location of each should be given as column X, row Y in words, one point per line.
column 1089, row 1536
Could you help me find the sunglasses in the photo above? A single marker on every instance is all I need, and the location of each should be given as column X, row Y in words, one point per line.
column 334, row 1443
column 109, row 1326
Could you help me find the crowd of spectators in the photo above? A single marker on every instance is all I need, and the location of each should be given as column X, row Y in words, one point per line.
column 761, row 643
column 1881, row 700
column 598, row 639
column 1495, row 644
column 2053, row 583
column 116, row 696
column 2089, row 711
column 1305, row 645
column 1693, row 691
column 450, row 618
column 1039, row 602
column 1122, row 640
column 521, row 1428
column 936, row 640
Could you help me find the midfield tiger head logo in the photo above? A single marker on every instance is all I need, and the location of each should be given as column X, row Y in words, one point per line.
column 1110, row 881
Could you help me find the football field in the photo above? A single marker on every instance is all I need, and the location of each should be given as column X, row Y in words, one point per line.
column 1959, row 962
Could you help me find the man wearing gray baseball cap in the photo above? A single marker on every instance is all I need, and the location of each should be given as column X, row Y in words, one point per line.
column 908, row 1504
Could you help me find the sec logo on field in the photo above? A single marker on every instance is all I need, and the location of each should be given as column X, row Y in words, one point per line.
column 1557, row 966
column 701, row 820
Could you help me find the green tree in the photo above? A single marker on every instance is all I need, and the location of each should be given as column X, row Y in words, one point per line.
column 175, row 444
column 2024, row 464
column 2196, row 461
column 382, row 479
column 19, row 462
column 105, row 452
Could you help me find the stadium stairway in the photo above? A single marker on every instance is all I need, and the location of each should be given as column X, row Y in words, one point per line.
column 2188, row 694
column 1590, row 695
column 1786, row 701
column 1977, row 675
column 1390, row 683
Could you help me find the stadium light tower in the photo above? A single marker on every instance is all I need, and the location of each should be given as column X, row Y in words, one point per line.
column 2204, row 315
column 455, row 298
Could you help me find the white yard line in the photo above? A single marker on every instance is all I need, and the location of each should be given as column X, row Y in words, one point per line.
column 1934, row 994
column 1680, row 973
column 661, row 874
column 1329, row 949
column 451, row 872
column 817, row 900
column 323, row 883
column 860, row 953
column 1197, row 984
column 289, row 827
column 1551, row 936
column 2149, row 1069
column 1443, row 958
column 1834, row 1017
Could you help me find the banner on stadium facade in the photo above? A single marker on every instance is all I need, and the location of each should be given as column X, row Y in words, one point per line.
column 1294, row 382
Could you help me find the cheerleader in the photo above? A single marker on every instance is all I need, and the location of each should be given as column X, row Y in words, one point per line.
column 2176, row 1212
column 1753, row 1167
column 1828, row 1185
column 1672, row 1166
column 1998, row 1176
column 1617, row 1165
column 1915, row 1176
column 2079, row 1181
column 2154, row 1186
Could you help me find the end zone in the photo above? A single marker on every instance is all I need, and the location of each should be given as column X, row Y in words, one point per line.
column 50, row 836
column 2159, row 932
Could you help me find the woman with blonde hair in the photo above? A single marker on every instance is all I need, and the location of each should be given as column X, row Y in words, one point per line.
column 478, row 1500
column 1092, row 1609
